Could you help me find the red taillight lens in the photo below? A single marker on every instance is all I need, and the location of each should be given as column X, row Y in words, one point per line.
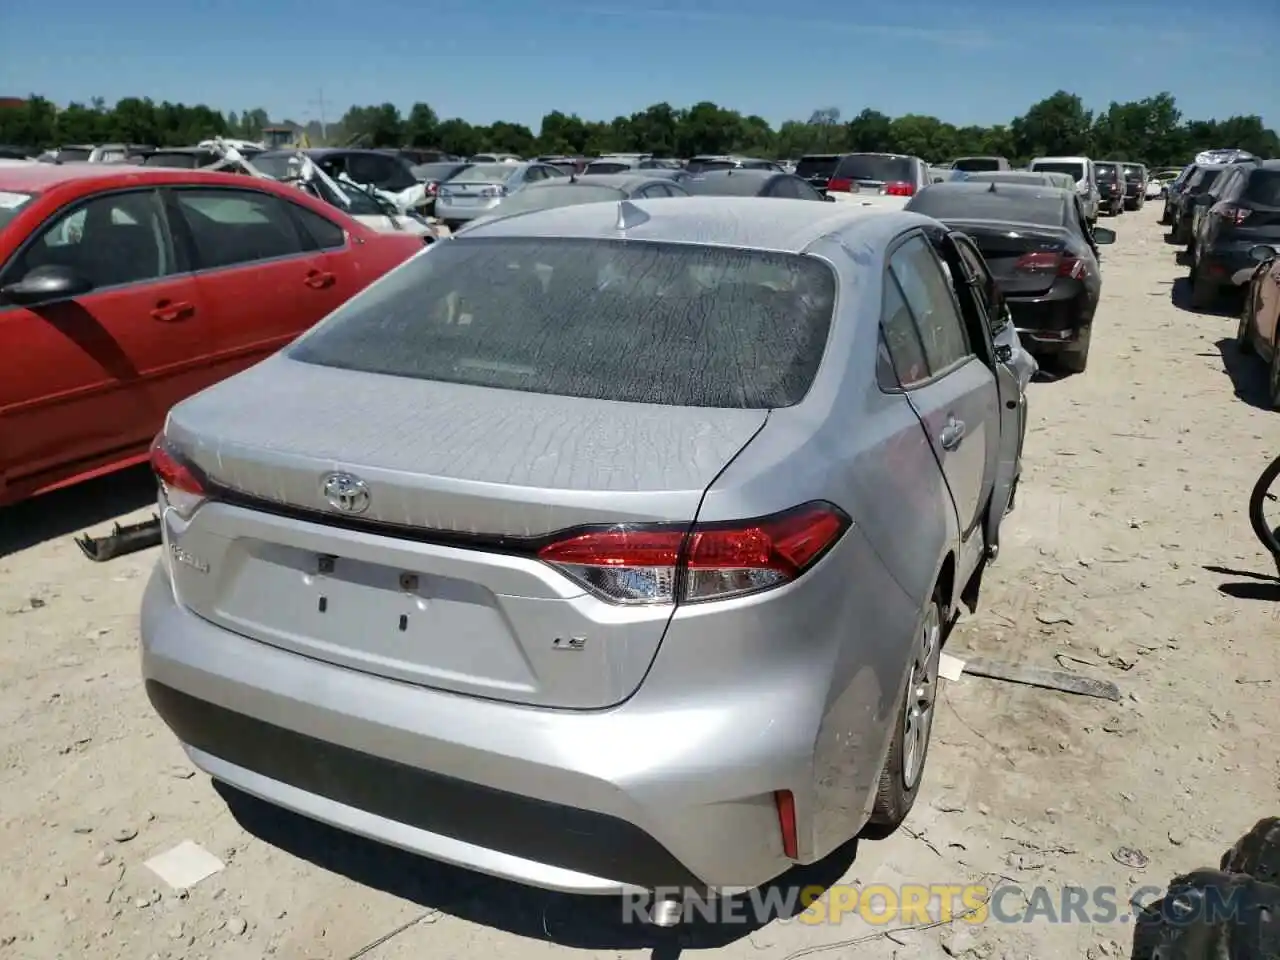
column 1047, row 262
column 432, row 188
column 1231, row 212
column 180, row 485
column 786, row 804
column 663, row 563
column 840, row 185
column 899, row 189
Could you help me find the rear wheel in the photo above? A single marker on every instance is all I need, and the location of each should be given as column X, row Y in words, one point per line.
column 1273, row 380
column 1203, row 290
column 1262, row 498
column 1076, row 359
column 1244, row 332
column 904, row 767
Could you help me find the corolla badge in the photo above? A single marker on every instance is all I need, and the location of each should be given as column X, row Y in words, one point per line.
column 345, row 492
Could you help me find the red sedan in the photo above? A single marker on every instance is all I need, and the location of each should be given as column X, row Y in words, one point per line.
column 126, row 289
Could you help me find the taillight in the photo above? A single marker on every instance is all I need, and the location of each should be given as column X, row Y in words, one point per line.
column 840, row 185
column 666, row 563
column 180, row 484
column 498, row 191
column 899, row 189
column 1233, row 213
column 432, row 188
column 1045, row 262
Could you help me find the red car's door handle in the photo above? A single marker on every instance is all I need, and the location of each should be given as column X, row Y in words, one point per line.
column 167, row 311
column 319, row 279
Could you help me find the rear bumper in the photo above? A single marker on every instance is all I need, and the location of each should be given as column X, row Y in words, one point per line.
column 1049, row 324
column 453, row 212
column 1227, row 263
column 672, row 788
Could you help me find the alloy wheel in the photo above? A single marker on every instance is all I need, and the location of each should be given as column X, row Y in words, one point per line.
column 922, row 693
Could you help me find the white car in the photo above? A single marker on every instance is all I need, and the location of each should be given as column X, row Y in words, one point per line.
column 1080, row 169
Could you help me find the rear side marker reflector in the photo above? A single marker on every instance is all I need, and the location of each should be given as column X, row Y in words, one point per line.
column 786, row 804
column 663, row 563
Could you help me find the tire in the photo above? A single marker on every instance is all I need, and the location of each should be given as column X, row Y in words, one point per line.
column 1273, row 378
column 1076, row 360
column 1204, row 293
column 1244, row 331
column 904, row 767
column 1268, row 537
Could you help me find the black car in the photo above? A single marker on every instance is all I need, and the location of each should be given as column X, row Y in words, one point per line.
column 1110, row 175
column 374, row 168
column 1245, row 214
column 1182, row 205
column 818, row 168
column 752, row 183
column 1135, row 185
column 1041, row 252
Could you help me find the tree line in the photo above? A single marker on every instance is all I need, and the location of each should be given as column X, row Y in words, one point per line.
column 1152, row 130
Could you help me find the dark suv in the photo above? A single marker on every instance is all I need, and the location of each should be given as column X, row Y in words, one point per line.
column 1184, row 202
column 1110, row 186
column 1245, row 213
column 1135, row 185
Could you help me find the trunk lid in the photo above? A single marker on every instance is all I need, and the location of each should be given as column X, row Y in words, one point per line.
column 1020, row 256
column 435, row 582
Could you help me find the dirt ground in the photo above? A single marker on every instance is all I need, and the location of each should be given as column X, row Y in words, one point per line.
column 1129, row 558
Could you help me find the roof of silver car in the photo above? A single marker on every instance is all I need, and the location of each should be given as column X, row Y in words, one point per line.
column 762, row 223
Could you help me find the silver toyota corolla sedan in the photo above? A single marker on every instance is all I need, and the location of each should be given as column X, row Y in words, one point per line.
column 606, row 548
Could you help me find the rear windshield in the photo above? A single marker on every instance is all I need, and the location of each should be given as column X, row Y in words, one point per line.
column 1264, row 188
column 183, row 161
column 1105, row 171
column 943, row 203
column 976, row 164
column 1203, row 181
column 607, row 166
column 816, row 167
column 10, row 204
column 437, row 171
column 866, row 166
column 638, row 322
column 1074, row 170
column 1132, row 173
column 701, row 166
column 485, row 173
column 557, row 195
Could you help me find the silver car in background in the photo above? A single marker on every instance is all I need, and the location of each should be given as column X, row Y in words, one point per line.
column 604, row 548
column 478, row 189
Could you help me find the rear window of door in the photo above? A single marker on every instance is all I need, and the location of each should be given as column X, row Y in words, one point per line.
column 929, row 295
column 111, row 240
column 1264, row 188
column 675, row 324
column 900, row 340
column 231, row 227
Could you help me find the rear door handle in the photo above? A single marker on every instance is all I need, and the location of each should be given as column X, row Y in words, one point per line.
column 169, row 311
column 319, row 279
column 952, row 434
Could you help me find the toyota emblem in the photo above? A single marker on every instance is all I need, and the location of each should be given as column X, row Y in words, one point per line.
column 345, row 492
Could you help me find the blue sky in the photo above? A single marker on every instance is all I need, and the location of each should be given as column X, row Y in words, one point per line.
column 485, row 60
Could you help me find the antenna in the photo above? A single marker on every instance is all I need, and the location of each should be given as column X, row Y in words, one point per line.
column 629, row 215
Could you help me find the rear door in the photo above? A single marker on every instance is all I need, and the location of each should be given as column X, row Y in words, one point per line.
column 259, row 271
column 959, row 406
column 90, row 380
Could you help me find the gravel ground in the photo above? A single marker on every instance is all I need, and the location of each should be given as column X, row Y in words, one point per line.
column 1129, row 558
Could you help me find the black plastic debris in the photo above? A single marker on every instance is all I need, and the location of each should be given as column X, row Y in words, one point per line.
column 121, row 541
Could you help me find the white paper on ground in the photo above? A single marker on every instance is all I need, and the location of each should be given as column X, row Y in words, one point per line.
column 949, row 667
column 185, row 865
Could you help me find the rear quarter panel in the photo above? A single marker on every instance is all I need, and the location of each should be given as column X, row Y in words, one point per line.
column 864, row 450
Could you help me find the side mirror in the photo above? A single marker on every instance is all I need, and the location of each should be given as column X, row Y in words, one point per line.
column 50, row 284
column 1104, row 235
column 1263, row 252
column 829, row 198
column 1004, row 353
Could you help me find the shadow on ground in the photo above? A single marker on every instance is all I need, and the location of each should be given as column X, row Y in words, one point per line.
column 86, row 505
column 1248, row 374
column 579, row 922
column 1228, row 913
column 1228, row 304
column 1255, row 586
